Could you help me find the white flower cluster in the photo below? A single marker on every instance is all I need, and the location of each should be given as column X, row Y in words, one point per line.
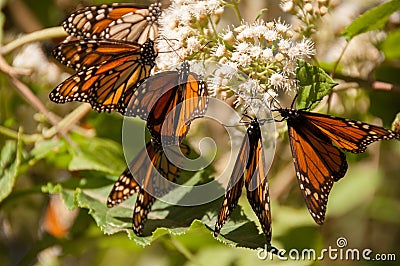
column 185, row 28
column 265, row 51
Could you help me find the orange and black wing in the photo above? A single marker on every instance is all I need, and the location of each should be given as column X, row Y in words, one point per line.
column 154, row 100
column 256, row 180
column 251, row 171
column 194, row 103
column 150, row 92
column 317, row 162
column 347, row 134
column 155, row 184
column 118, row 21
column 105, row 85
column 149, row 175
column 194, row 93
column 235, row 186
column 82, row 54
column 184, row 99
column 125, row 187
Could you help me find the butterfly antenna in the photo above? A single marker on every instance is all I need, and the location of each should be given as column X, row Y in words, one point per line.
column 247, row 116
column 168, row 41
column 270, row 103
column 295, row 97
column 240, row 121
column 201, row 49
column 276, row 101
column 294, row 100
column 245, row 112
column 273, row 99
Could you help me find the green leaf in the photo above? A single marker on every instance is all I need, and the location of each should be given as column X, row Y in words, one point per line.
column 390, row 45
column 314, row 84
column 54, row 151
column 65, row 194
column 372, row 19
column 164, row 219
column 44, row 147
column 10, row 161
column 98, row 154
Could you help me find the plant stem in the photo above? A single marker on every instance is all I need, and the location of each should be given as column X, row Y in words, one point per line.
column 69, row 122
column 15, row 135
column 49, row 33
column 235, row 6
column 215, row 32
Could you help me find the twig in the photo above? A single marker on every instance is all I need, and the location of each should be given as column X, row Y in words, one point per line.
column 33, row 100
column 351, row 82
column 69, row 122
column 28, row 95
column 15, row 135
column 49, row 33
column 340, row 58
column 5, row 67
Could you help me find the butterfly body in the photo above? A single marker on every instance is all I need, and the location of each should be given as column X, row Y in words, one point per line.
column 249, row 171
column 316, row 142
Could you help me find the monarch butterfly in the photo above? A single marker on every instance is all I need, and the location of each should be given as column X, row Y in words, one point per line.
column 169, row 101
column 142, row 177
column 249, row 170
column 316, row 141
column 108, row 72
column 118, row 21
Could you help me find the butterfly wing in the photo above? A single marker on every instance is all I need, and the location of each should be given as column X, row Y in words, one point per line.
column 256, row 180
column 190, row 102
column 195, row 93
column 118, row 21
column 152, row 182
column 142, row 208
column 143, row 176
column 249, row 170
column 105, row 85
column 169, row 101
column 125, row 187
column 157, row 97
column 194, row 103
column 317, row 162
column 81, row 54
column 235, row 186
column 347, row 134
